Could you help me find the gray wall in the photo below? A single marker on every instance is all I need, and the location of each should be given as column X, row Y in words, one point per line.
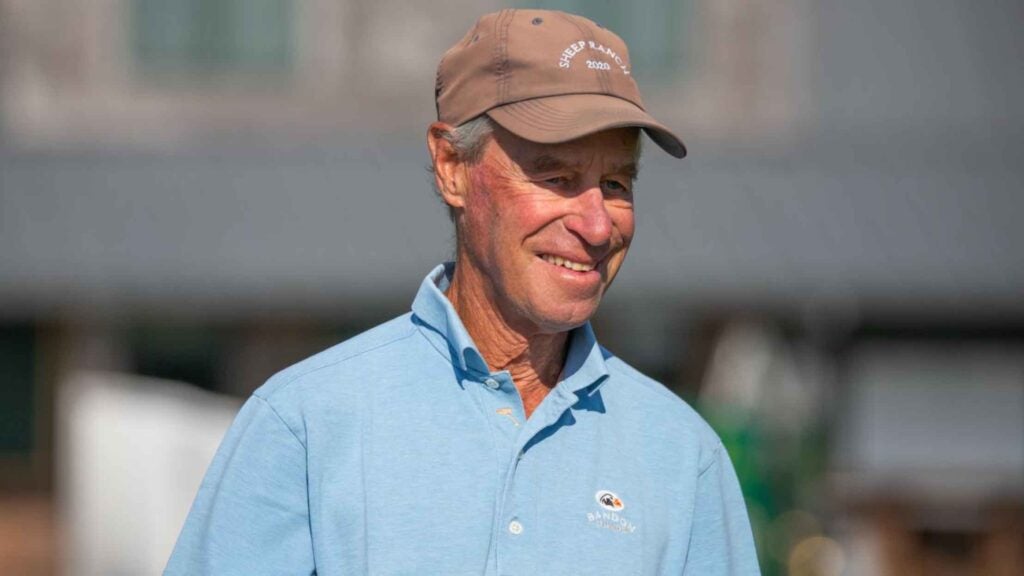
column 905, row 190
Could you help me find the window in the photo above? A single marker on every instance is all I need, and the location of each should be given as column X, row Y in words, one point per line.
column 204, row 38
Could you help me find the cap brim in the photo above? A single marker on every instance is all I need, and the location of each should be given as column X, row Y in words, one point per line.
column 554, row 119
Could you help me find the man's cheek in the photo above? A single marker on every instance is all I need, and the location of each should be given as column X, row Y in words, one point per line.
column 626, row 225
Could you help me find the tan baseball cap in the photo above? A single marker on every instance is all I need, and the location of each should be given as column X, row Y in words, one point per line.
column 545, row 76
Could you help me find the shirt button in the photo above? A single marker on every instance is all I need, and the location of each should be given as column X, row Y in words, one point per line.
column 515, row 527
column 492, row 384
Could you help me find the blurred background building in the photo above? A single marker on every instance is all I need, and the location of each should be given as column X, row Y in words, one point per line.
column 196, row 193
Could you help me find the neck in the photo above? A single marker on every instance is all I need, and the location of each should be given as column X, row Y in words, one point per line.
column 534, row 359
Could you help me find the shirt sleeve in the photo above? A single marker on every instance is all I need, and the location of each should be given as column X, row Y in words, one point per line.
column 251, row 515
column 721, row 542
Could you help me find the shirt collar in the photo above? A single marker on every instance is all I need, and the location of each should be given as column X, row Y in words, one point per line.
column 584, row 363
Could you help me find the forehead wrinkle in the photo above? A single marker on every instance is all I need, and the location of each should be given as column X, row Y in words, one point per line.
column 546, row 162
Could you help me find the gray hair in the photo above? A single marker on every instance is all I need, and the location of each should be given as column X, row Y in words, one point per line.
column 468, row 139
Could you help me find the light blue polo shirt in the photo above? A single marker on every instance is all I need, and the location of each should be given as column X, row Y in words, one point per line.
column 398, row 452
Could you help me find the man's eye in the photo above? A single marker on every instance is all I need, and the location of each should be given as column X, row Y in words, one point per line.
column 556, row 181
column 616, row 187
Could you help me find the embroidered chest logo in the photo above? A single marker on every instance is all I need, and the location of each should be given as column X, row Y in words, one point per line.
column 608, row 500
column 609, row 516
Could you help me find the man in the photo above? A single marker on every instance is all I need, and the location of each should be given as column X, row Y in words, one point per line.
column 486, row 432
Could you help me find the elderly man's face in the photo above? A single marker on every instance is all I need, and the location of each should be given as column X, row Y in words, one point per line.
column 547, row 226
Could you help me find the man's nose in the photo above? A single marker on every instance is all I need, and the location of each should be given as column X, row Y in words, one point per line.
column 590, row 218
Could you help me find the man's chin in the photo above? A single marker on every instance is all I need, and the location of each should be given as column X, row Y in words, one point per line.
column 563, row 319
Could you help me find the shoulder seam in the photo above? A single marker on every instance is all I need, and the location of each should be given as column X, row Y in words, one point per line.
column 714, row 460
column 282, row 420
column 309, row 371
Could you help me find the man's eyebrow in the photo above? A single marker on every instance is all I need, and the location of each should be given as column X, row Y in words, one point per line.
column 630, row 169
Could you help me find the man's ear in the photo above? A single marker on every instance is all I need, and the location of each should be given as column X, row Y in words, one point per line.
column 450, row 171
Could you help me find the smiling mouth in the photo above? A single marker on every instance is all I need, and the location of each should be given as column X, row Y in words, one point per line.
column 565, row 263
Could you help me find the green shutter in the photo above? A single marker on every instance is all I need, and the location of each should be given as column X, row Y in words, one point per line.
column 17, row 386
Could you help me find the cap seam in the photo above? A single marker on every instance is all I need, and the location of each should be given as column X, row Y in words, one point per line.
column 496, row 61
column 504, row 23
column 536, row 105
column 541, row 124
column 439, row 86
column 532, row 98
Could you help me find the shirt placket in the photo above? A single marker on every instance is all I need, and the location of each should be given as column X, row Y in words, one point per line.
column 516, row 527
column 503, row 411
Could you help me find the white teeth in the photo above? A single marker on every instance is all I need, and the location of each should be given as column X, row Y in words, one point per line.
column 559, row 261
